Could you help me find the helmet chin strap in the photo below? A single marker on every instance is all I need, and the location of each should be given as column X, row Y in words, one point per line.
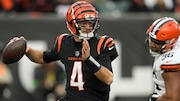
column 86, row 36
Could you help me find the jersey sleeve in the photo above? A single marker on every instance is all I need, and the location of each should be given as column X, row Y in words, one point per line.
column 106, row 45
column 173, row 67
column 106, row 51
column 52, row 54
column 171, row 61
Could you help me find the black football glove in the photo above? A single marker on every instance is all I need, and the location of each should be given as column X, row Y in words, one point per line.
column 153, row 97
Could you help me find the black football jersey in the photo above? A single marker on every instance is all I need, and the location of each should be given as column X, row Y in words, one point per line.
column 82, row 84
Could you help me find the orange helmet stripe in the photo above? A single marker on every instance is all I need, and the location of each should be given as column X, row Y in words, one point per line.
column 83, row 7
column 81, row 10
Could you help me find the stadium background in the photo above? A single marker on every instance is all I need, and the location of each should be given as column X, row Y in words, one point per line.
column 132, row 69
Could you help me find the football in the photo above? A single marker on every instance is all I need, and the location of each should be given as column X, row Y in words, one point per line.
column 14, row 51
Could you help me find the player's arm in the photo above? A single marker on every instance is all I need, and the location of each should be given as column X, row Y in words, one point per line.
column 104, row 75
column 101, row 72
column 171, row 78
column 34, row 55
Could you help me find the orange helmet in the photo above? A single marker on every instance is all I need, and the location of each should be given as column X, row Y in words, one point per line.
column 82, row 11
column 164, row 31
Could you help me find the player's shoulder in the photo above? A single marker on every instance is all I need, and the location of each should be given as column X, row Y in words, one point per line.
column 172, row 55
column 61, row 39
column 64, row 35
column 171, row 60
column 105, row 42
column 104, row 37
column 175, row 52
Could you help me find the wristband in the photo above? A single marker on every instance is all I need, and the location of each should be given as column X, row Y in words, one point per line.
column 92, row 64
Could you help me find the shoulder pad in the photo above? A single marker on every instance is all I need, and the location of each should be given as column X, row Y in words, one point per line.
column 59, row 40
column 104, row 42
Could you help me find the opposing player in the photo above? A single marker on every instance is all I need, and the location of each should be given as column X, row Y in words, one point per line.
column 162, row 39
column 87, row 56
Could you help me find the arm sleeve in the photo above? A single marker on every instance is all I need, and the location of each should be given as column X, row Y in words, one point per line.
column 52, row 54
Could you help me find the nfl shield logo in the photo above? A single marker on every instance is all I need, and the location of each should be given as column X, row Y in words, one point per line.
column 77, row 53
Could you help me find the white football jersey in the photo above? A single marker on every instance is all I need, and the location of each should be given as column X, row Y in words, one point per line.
column 169, row 58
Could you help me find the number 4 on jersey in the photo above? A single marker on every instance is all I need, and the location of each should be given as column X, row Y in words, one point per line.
column 77, row 77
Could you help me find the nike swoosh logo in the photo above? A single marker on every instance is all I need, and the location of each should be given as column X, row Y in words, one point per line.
column 110, row 48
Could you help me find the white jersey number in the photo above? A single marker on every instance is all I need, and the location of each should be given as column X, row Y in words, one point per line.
column 77, row 77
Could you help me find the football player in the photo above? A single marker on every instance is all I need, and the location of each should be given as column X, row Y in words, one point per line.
column 86, row 56
column 162, row 39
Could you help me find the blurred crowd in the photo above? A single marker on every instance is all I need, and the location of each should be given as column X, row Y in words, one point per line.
column 49, row 82
column 6, row 77
column 103, row 6
column 154, row 5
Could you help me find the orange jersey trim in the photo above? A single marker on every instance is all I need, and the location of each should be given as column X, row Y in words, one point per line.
column 60, row 41
column 175, row 67
column 111, row 44
column 99, row 44
column 108, row 40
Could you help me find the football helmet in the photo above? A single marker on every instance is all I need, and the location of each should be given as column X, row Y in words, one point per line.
column 78, row 12
column 164, row 31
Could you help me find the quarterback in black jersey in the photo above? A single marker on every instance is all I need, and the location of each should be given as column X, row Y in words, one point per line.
column 86, row 56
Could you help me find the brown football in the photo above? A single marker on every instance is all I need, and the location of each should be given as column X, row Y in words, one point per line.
column 14, row 51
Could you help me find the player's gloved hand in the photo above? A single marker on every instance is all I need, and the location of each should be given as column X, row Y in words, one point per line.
column 153, row 97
